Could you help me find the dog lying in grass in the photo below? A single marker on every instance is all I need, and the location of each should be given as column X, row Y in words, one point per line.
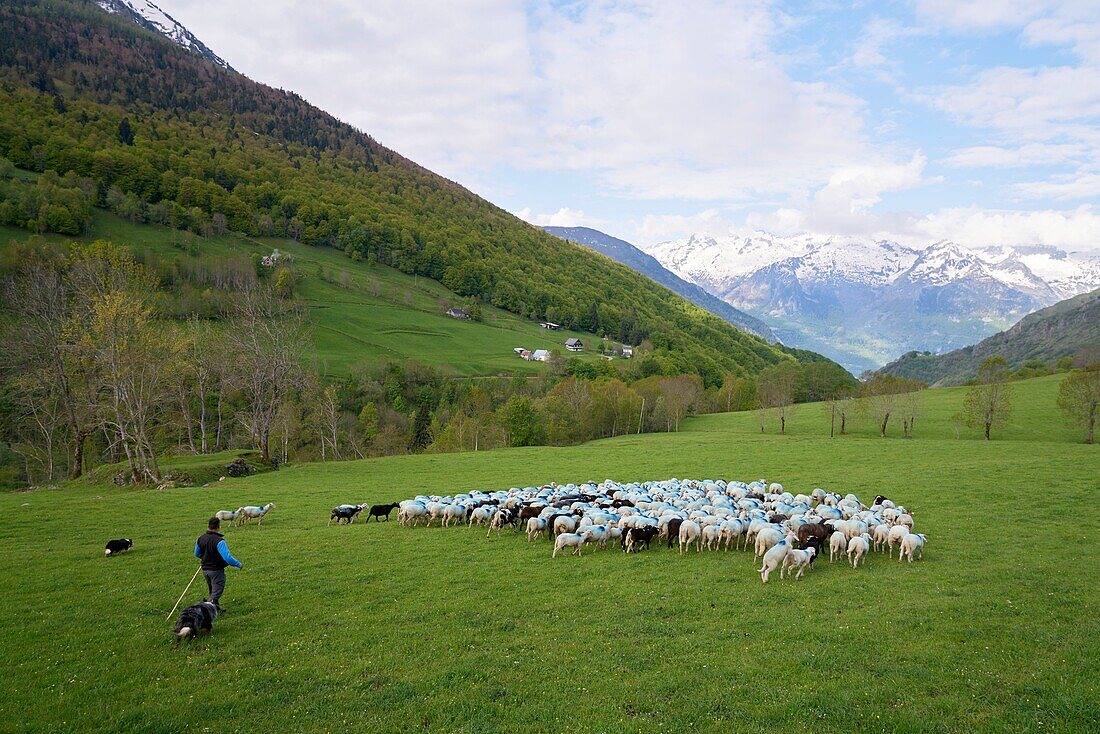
column 194, row 619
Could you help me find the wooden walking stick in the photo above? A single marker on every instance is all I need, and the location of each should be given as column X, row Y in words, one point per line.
column 184, row 592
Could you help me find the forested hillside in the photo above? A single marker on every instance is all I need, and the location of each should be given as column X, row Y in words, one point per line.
column 1068, row 329
column 160, row 135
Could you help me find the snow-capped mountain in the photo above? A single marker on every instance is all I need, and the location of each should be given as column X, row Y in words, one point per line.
column 863, row 301
column 147, row 15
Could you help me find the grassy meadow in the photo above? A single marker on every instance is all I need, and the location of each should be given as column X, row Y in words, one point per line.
column 383, row 628
column 360, row 312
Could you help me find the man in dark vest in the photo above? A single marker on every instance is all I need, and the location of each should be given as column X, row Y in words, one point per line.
column 215, row 555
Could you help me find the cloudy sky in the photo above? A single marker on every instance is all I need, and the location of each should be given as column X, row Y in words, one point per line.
column 977, row 121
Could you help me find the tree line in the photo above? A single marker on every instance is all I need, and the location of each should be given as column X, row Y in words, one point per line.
column 98, row 367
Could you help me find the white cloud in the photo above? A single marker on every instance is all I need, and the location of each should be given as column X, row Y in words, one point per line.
column 1031, row 154
column 1076, row 228
column 655, row 99
column 564, row 217
column 660, row 227
column 1063, row 187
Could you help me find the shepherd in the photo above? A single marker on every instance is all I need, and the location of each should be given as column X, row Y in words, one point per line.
column 214, row 552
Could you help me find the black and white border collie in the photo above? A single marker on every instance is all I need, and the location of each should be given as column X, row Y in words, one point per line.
column 195, row 619
column 117, row 546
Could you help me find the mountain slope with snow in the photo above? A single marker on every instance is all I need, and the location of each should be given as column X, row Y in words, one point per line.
column 863, row 302
column 149, row 16
column 623, row 252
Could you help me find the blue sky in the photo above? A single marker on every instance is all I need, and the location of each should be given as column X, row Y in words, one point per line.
column 917, row 121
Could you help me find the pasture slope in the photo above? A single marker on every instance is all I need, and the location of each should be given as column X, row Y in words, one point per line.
column 379, row 313
column 383, row 628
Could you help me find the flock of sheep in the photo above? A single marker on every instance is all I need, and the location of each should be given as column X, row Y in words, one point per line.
column 788, row 531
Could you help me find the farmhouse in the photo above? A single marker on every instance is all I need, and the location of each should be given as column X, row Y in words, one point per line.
column 458, row 313
column 628, row 352
column 550, row 325
column 270, row 261
column 573, row 344
column 540, row 355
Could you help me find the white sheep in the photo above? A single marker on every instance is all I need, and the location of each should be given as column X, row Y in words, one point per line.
column 568, row 540
column 712, row 537
column 881, row 536
column 766, row 538
column 690, row 533
column 481, row 515
column 897, row 533
column 857, row 549
column 535, row 526
column 838, row 545
column 252, row 511
column 910, row 544
column 227, row 515
column 773, row 559
column 564, row 524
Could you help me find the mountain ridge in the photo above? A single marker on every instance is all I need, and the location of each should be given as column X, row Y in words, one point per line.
column 863, row 301
column 624, row 252
column 149, row 16
column 1065, row 329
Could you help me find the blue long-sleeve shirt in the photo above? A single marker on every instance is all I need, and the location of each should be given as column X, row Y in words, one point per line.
column 223, row 550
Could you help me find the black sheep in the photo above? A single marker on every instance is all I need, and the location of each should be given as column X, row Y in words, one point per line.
column 380, row 511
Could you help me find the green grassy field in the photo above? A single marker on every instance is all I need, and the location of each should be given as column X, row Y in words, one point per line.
column 383, row 628
column 377, row 313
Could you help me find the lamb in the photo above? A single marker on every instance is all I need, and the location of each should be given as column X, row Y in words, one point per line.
column 568, row 540
column 910, row 544
column 800, row 559
column 345, row 513
column 857, row 549
column 501, row 518
column 251, row 511
column 838, row 545
column 636, row 539
column 535, row 526
column 712, row 537
column 773, row 559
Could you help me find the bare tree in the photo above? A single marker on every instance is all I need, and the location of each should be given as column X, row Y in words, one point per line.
column 776, row 385
column 680, row 395
column 1079, row 399
column 134, row 359
column 266, row 339
column 879, row 397
column 200, row 386
column 988, row 402
column 39, row 349
column 735, row 393
column 909, row 404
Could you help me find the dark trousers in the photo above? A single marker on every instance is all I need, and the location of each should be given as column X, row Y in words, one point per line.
column 215, row 582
